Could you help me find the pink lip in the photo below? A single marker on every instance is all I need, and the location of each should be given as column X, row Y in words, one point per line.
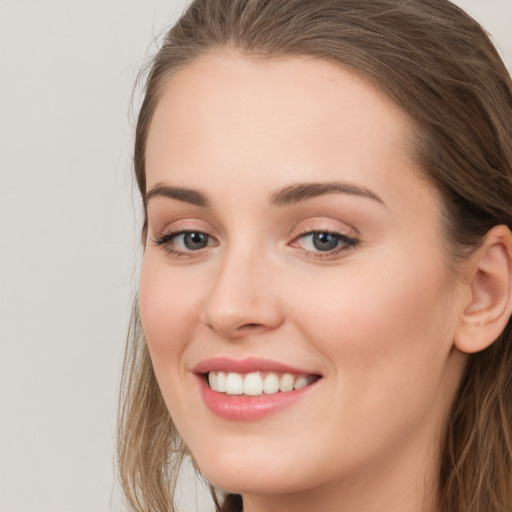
column 243, row 407
column 251, row 364
column 249, row 408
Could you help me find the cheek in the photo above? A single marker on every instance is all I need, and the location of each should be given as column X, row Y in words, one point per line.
column 169, row 309
column 373, row 303
column 387, row 330
column 386, row 333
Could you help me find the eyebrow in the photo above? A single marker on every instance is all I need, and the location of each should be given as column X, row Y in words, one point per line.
column 302, row 191
column 288, row 195
column 181, row 194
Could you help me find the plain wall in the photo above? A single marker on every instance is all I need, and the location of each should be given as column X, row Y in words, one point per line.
column 69, row 237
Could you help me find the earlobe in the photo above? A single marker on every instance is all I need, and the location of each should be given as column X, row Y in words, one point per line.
column 490, row 304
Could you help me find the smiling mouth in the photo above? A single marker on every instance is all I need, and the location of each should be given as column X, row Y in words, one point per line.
column 257, row 383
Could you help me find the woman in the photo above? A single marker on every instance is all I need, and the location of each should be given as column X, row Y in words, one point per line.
column 324, row 304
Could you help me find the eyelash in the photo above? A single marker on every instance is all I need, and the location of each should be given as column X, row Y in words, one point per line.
column 165, row 240
column 345, row 243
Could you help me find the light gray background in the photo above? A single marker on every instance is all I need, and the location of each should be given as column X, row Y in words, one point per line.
column 68, row 237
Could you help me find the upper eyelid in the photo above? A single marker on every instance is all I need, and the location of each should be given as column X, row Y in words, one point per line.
column 319, row 224
column 347, row 230
column 173, row 234
column 181, row 226
column 310, row 223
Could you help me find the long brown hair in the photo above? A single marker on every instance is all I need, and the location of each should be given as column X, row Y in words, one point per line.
column 440, row 67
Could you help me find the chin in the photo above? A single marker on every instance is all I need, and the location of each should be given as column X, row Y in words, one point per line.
column 245, row 475
column 254, row 482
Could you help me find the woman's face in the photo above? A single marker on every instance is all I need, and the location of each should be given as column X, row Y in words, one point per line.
column 293, row 242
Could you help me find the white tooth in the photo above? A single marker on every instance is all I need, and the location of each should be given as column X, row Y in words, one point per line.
column 234, row 384
column 301, row 382
column 253, row 384
column 287, row 381
column 271, row 384
column 212, row 380
column 221, row 382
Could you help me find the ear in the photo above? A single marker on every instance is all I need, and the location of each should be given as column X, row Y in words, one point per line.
column 489, row 306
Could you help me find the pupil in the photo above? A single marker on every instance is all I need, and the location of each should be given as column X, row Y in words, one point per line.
column 325, row 241
column 195, row 241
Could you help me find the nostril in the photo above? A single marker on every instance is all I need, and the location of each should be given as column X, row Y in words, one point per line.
column 251, row 327
column 241, row 328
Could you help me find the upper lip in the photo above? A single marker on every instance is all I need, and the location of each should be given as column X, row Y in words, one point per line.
column 251, row 364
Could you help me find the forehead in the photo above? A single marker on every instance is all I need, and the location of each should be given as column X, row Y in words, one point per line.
column 232, row 116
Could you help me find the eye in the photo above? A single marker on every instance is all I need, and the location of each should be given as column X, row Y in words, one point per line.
column 193, row 240
column 182, row 243
column 324, row 243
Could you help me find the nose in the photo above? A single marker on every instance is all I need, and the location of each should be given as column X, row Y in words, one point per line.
column 244, row 298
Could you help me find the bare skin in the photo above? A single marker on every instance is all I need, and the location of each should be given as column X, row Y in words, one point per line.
column 374, row 314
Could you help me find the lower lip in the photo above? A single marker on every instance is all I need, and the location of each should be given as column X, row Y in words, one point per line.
column 249, row 408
